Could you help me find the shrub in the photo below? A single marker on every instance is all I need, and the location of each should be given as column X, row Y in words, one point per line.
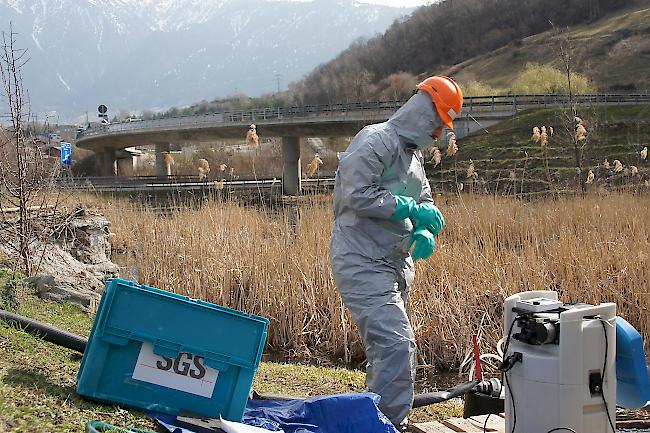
column 478, row 88
column 536, row 78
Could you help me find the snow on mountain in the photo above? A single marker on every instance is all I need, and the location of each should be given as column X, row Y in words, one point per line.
column 143, row 54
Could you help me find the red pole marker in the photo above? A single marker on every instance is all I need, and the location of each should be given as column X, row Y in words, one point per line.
column 477, row 359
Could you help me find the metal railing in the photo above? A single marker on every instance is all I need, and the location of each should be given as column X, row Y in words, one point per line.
column 507, row 104
column 178, row 182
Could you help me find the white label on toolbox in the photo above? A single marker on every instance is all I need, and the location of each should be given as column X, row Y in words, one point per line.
column 185, row 373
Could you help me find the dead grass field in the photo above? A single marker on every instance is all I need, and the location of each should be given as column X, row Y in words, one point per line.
column 592, row 249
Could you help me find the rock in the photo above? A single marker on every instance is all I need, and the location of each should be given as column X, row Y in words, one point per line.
column 90, row 239
column 73, row 266
column 58, row 290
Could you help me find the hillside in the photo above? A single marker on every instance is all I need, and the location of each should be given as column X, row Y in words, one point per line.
column 613, row 51
column 508, row 161
column 447, row 33
column 610, row 48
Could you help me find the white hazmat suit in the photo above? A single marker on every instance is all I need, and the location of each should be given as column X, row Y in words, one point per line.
column 369, row 249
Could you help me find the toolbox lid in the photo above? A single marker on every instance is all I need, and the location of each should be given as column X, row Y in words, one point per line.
column 174, row 323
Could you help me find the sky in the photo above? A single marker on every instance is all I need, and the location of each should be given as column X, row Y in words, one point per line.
column 395, row 3
column 398, row 3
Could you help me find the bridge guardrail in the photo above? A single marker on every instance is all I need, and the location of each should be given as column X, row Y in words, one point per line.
column 470, row 105
column 112, row 183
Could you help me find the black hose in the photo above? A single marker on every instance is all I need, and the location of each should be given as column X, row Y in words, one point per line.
column 46, row 332
column 418, row 401
column 440, row 396
column 78, row 343
column 257, row 396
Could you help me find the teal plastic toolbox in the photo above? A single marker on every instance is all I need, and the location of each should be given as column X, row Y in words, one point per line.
column 162, row 352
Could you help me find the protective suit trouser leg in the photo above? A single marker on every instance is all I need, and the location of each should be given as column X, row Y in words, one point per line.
column 375, row 293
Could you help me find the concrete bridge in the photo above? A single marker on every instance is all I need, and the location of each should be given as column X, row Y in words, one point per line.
column 291, row 123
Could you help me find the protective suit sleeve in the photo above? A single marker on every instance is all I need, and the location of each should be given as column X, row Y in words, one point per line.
column 360, row 172
column 425, row 195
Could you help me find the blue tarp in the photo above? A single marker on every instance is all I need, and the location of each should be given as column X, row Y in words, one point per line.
column 343, row 413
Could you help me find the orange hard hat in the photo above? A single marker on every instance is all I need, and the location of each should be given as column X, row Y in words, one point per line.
column 446, row 95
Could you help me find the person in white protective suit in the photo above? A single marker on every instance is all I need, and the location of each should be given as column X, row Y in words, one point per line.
column 382, row 208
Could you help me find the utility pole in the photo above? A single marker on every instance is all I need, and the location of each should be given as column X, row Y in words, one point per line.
column 278, row 76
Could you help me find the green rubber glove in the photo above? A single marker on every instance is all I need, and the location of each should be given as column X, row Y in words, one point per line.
column 425, row 243
column 427, row 214
column 404, row 207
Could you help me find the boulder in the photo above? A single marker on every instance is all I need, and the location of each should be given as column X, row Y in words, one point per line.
column 58, row 290
column 73, row 265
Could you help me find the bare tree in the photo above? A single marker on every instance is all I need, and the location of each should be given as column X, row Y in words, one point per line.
column 574, row 126
column 26, row 174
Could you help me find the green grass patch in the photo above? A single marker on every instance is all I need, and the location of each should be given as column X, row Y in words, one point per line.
column 64, row 316
column 11, row 288
column 38, row 380
column 37, row 389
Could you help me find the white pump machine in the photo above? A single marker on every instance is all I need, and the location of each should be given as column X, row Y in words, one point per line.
column 559, row 365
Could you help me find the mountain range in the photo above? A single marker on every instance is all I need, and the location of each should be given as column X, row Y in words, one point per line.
column 152, row 54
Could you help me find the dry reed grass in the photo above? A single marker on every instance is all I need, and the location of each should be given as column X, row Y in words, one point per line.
column 437, row 157
column 251, row 136
column 592, row 249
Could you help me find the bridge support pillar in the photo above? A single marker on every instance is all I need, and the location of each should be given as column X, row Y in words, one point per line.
column 107, row 163
column 162, row 167
column 125, row 166
column 291, row 166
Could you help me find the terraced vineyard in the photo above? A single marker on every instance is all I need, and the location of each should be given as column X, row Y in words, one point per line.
column 508, row 161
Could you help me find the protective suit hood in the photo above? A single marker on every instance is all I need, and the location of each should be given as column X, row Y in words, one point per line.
column 416, row 120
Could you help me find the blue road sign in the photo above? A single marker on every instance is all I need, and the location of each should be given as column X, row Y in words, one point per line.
column 66, row 154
